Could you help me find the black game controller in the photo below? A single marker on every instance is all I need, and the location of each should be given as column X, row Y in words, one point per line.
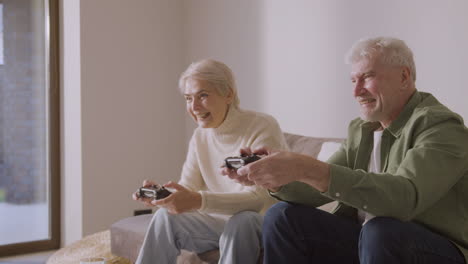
column 155, row 191
column 237, row 162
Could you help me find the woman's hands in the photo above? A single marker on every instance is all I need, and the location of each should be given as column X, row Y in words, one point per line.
column 180, row 201
column 146, row 201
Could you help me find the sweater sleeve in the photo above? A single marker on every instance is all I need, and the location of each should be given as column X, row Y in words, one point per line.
column 271, row 136
column 191, row 177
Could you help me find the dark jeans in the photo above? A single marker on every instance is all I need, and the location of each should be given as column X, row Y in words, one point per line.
column 301, row 234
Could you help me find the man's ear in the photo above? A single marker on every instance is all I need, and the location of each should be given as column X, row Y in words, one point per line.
column 405, row 77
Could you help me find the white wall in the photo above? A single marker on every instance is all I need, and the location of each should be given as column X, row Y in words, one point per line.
column 132, row 113
column 288, row 55
column 71, row 188
column 123, row 118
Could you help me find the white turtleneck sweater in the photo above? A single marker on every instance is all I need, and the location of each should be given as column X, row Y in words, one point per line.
column 210, row 146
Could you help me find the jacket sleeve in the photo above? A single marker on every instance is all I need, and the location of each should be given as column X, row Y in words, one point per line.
column 435, row 162
column 301, row 193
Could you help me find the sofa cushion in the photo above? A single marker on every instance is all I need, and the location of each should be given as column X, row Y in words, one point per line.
column 327, row 150
column 307, row 145
column 127, row 235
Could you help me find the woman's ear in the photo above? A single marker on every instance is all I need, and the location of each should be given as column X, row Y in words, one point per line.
column 230, row 96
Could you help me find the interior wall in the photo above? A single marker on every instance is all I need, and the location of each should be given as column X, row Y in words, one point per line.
column 294, row 54
column 131, row 112
column 71, row 190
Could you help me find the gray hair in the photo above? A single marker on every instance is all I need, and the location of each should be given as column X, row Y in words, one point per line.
column 392, row 51
column 214, row 72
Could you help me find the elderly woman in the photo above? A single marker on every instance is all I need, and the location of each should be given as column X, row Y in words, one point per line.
column 207, row 210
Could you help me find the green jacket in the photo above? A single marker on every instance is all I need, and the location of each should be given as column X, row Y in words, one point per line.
column 424, row 175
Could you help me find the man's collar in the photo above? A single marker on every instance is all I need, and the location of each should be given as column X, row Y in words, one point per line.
column 397, row 125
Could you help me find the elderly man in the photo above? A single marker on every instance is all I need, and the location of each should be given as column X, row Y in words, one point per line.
column 401, row 177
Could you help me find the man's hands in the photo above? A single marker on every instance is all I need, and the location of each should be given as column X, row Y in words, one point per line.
column 232, row 173
column 180, row 201
column 278, row 168
column 273, row 171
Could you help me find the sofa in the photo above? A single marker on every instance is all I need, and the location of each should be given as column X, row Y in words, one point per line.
column 127, row 234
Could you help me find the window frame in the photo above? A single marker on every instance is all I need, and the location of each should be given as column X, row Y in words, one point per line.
column 52, row 11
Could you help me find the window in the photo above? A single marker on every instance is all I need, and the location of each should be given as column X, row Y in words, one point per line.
column 1, row 33
column 29, row 129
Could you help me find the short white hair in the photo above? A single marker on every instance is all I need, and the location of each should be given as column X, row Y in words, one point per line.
column 214, row 72
column 392, row 51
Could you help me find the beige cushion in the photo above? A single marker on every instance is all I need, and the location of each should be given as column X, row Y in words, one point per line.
column 127, row 235
column 307, row 145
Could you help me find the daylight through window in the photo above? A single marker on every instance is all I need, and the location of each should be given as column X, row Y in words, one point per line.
column 1, row 34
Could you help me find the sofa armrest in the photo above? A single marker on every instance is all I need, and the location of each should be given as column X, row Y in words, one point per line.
column 127, row 236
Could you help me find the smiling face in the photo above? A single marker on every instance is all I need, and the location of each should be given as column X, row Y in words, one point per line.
column 207, row 107
column 379, row 89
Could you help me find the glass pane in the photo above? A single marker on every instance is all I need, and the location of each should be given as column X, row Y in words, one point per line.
column 24, row 172
column 1, row 34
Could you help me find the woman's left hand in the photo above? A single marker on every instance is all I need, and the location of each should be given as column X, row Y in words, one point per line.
column 181, row 201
